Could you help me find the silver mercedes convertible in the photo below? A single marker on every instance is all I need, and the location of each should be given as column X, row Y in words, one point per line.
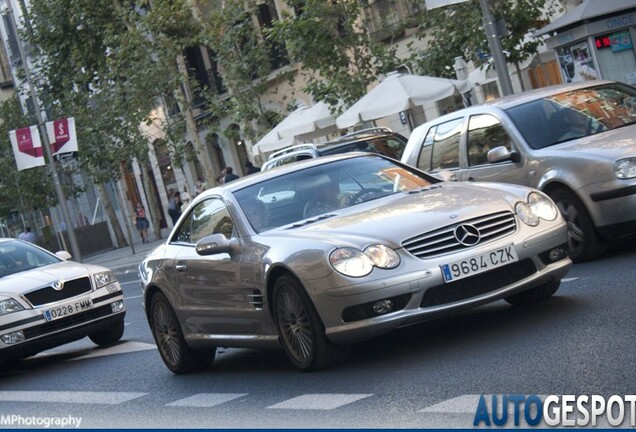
column 318, row 254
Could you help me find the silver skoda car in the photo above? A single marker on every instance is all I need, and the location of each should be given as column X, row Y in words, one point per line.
column 47, row 300
column 315, row 255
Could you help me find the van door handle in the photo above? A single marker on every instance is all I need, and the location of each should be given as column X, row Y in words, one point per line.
column 471, row 179
column 181, row 267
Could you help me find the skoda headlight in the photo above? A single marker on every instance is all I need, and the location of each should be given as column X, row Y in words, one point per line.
column 625, row 168
column 356, row 263
column 8, row 305
column 538, row 207
column 104, row 278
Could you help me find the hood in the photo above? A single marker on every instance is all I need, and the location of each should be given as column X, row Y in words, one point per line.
column 612, row 145
column 393, row 219
column 43, row 276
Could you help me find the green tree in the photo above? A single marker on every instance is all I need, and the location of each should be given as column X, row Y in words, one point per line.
column 245, row 62
column 93, row 66
column 457, row 30
column 329, row 38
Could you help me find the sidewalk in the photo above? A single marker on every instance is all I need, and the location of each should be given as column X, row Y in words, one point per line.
column 122, row 260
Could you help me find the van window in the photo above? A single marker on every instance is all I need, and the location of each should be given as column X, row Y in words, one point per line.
column 485, row 132
column 445, row 153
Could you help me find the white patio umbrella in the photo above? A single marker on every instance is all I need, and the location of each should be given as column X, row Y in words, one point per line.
column 304, row 123
column 307, row 121
column 271, row 142
column 397, row 93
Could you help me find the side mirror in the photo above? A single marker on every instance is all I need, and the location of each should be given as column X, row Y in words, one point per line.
column 501, row 153
column 445, row 175
column 63, row 255
column 216, row 244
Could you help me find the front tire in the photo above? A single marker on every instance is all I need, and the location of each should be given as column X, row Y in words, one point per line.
column 110, row 336
column 300, row 329
column 583, row 240
column 174, row 350
column 535, row 294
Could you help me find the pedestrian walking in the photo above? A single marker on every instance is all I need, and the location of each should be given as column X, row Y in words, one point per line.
column 229, row 175
column 174, row 207
column 251, row 169
column 27, row 235
column 141, row 222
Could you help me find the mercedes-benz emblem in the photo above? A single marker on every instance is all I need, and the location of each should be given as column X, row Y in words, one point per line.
column 57, row 286
column 467, row 235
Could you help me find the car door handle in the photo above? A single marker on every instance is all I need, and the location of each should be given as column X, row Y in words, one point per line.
column 471, row 179
column 181, row 267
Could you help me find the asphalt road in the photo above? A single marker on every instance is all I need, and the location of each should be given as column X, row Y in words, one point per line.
column 427, row 376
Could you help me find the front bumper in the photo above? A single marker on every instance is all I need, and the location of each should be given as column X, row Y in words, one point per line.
column 612, row 206
column 421, row 293
column 40, row 334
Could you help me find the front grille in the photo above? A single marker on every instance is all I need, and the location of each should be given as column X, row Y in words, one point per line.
column 48, row 295
column 478, row 284
column 69, row 321
column 443, row 240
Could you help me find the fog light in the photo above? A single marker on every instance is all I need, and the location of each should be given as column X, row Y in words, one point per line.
column 382, row 307
column 12, row 338
column 556, row 254
column 117, row 306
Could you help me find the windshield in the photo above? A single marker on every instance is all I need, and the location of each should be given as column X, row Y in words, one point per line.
column 319, row 190
column 17, row 256
column 576, row 114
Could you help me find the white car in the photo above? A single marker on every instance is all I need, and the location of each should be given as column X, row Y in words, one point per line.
column 47, row 300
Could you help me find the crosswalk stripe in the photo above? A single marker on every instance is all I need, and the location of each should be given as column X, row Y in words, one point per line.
column 327, row 401
column 121, row 348
column 460, row 404
column 97, row 398
column 206, row 400
column 569, row 279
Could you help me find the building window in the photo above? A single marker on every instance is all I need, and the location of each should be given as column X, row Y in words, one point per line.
column 266, row 14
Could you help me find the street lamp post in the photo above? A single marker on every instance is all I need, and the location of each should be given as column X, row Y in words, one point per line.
column 45, row 139
column 496, row 49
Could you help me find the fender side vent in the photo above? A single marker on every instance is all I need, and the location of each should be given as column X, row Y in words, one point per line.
column 256, row 299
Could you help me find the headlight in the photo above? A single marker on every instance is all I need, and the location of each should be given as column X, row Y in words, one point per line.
column 382, row 256
column 104, row 278
column 8, row 305
column 355, row 263
column 538, row 207
column 625, row 168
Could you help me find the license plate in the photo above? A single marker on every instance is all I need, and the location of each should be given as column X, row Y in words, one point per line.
column 479, row 263
column 67, row 309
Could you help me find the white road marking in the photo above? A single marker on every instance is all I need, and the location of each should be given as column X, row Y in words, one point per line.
column 569, row 279
column 206, row 400
column 460, row 404
column 98, row 398
column 130, row 283
column 133, row 297
column 122, row 348
column 319, row 401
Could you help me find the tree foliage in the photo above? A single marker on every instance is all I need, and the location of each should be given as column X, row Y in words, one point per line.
column 339, row 59
column 458, row 30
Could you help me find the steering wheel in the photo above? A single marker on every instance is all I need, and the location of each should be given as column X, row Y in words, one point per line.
column 365, row 195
